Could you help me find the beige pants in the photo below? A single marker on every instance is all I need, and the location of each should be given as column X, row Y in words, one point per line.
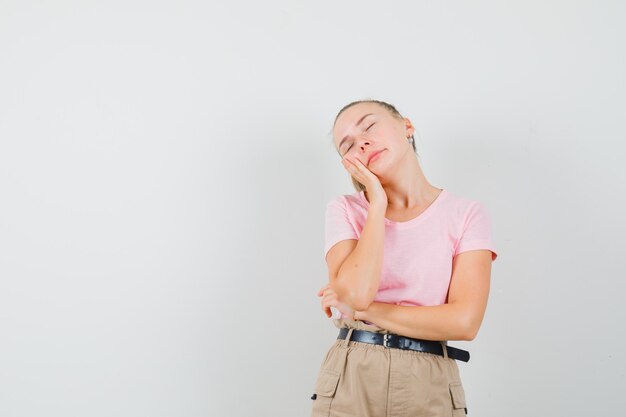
column 367, row 380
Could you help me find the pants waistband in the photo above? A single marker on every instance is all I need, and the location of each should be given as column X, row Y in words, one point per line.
column 391, row 340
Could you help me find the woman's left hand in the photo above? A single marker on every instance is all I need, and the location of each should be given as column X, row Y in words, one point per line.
column 331, row 299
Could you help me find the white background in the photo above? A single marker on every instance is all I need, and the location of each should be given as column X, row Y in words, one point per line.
column 164, row 168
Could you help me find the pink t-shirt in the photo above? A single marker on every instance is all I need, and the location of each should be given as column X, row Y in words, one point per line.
column 417, row 257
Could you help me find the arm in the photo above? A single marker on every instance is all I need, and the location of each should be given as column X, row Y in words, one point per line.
column 356, row 282
column 459, row 319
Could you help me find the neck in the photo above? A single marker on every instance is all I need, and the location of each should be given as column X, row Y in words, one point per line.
column 409, row 188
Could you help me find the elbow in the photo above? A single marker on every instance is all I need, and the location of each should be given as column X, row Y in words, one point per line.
column 358, row 300
column 361, row 304
column 362, row 299
column 467, row 322
column 469, row 330
column 470, row 335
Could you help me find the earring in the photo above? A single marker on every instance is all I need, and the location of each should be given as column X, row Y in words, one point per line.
column 411, row 139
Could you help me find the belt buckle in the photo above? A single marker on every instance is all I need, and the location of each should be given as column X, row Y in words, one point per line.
column 386, row 340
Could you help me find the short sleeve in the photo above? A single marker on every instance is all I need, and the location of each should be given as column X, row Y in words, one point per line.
column 337, row 226
column 476, row 231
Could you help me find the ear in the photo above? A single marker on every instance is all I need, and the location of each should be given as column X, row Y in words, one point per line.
column 409, row 127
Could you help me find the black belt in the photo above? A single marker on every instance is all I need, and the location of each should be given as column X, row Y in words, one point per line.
column 403, row 342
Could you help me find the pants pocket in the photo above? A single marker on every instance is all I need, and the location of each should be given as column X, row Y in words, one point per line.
column 459, row 407
column 325, row 388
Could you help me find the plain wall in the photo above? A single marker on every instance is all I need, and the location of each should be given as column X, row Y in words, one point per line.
column 164, row 169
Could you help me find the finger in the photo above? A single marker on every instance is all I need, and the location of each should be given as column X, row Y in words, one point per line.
column 359, row 170
column 329, row 301
column 353, row 170
column 351, row 163
column 326, row 309
column 360, row 166
column 328, row 289
column 329, row 295
column 357, row 163
column 348, row 166
column 325, row 289
column 322, row 289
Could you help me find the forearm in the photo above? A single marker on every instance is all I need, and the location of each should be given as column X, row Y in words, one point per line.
column 442, row 322
column 358, row 277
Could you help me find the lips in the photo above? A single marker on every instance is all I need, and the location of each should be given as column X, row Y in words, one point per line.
column 373, row 155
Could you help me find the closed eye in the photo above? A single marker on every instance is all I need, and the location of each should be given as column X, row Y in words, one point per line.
column 366, row 131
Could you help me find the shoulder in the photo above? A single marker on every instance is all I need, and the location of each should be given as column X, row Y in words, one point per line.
column 461, row 205
column 346, row 201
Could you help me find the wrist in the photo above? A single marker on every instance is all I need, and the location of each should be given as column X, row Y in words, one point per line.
column 377, row 210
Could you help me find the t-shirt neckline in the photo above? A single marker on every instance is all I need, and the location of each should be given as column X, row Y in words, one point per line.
column 415, row 220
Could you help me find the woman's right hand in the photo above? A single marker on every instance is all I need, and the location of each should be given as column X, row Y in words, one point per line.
column 375, row 191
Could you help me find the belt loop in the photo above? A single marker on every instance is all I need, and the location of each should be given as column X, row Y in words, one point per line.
column 444, row 348
column 450, row 363
column 348, row 336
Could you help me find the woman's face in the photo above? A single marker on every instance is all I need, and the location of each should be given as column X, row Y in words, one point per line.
column 365, row 129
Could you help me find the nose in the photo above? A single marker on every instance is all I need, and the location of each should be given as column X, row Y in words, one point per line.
column 364, row 143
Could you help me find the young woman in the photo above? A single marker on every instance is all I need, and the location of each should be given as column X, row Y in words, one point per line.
column 409, row 266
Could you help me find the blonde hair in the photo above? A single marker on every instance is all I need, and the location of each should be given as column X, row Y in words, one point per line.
column 394, row 112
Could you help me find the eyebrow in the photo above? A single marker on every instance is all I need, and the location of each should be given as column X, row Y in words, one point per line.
column 357, row 123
